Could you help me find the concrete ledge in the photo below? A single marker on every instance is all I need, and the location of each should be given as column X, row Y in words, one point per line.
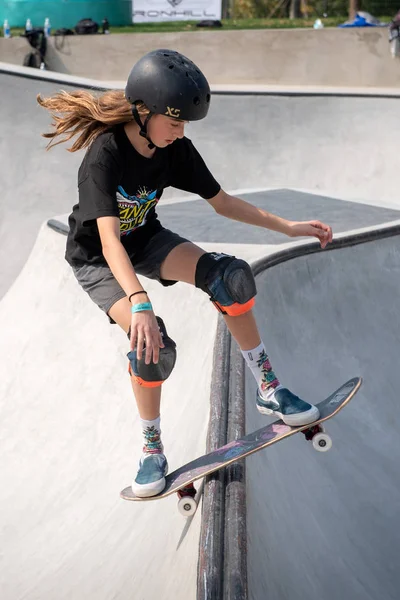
column 327, row 57
column 236, row 89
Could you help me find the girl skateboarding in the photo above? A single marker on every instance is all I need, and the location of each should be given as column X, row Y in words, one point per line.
column 136, row 148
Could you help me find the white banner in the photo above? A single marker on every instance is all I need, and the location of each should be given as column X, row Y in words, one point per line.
column 145, row 11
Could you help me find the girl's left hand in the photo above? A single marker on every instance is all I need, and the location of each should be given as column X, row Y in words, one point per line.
column 313, row 229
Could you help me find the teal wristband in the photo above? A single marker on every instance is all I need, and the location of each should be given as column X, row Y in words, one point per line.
column 141, row 307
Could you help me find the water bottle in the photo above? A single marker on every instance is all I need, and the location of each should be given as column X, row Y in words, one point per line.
column 28, row 25
column 47, row 27
column 6, row 29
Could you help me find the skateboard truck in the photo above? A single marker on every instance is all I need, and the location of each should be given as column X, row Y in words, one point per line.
column 321, row 441
column 187, row 504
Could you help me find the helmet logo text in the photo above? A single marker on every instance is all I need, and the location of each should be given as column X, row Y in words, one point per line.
column 173, row 112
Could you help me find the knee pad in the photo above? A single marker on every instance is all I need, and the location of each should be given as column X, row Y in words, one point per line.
column 153, row 375
column 228, row 281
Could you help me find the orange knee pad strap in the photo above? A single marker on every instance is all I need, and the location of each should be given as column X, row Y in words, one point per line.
column 235, row 310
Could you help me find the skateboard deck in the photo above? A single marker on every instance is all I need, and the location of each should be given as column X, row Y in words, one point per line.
column 253, row 442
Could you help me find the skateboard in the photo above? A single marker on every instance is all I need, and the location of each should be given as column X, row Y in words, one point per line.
column 181, row 480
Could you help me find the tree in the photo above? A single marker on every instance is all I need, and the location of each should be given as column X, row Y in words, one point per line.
column 353, row 8
column 295, row 12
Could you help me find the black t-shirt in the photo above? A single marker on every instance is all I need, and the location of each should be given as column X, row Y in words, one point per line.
column 115, row 180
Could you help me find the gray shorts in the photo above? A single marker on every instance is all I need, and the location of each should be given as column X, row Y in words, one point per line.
column 99, row 282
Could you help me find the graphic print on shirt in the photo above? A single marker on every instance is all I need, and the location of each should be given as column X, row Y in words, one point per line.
column 133, row 210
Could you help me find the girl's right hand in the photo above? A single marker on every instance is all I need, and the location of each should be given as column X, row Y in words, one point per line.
column 145, row 335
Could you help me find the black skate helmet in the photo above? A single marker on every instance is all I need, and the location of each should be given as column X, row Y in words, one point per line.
column 169, row 84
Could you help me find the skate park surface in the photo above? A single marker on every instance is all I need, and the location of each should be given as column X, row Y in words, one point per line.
column 332, row 56
column 318, row 525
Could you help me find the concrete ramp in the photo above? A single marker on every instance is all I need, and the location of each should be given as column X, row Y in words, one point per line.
column 70, row 441
column 325, row 525
column 319, row 526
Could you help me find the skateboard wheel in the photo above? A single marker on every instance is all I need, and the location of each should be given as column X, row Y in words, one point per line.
column 187, row 506
column 322, row 442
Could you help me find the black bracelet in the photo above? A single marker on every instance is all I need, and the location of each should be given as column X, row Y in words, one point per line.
column 135, row 294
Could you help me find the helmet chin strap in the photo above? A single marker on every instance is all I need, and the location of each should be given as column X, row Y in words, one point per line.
column 143, row 126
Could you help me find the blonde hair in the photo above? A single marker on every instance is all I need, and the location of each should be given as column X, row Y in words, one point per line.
column 80, row 112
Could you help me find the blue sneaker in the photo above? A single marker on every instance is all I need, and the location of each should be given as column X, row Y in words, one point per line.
column 288, row 407
column 150, row 478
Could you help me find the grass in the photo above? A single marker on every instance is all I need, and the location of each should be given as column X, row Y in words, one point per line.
column 228, row 24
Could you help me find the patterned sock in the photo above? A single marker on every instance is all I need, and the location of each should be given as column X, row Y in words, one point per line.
column 258, row 362
column 151, row 436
